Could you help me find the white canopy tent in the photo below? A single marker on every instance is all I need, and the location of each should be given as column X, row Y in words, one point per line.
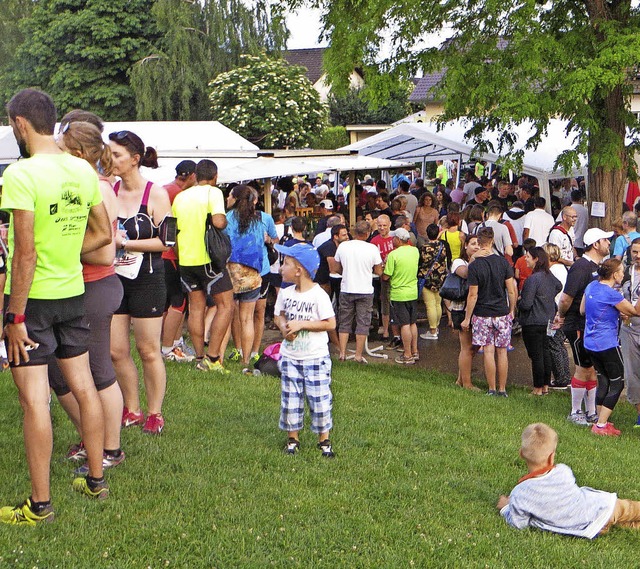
column 417, row 141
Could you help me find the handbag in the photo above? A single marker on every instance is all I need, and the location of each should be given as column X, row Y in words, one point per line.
column 454, row 288
column 218, row 245
column 272, row 254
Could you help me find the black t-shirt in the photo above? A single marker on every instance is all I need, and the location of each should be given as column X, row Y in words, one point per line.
column 326, row 250
column 581, row 273
column 489, row 275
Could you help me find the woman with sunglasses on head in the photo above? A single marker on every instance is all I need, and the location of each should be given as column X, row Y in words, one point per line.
column 103, row 294
column 142, row 206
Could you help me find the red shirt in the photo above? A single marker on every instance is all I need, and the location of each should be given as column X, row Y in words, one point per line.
column 384, row 244
column 173, row 190
column 524, row 271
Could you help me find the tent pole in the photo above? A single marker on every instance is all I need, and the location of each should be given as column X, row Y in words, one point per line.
column 266, row 195
column 353, row 199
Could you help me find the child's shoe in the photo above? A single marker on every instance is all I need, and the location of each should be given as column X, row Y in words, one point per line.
column 292, row 446
column 607, row 430
column 578, row 418
column 325, row 447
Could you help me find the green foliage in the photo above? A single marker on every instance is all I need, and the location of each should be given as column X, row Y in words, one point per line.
column 10, row 33
column 419, row 466
column 80, row 52
column 331, row 138
column 506, row 62
column 199, row 40
column 269, row 102
column 355, row 107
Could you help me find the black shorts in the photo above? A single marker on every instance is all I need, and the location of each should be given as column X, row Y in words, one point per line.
column 275, row 279
column 201, row 278
column 581, row 356
column 145, row 296
column 101, row 298
column 58, row 326
column 608, row 363
column 264, row 287
column 176, row 297
column 404, row 312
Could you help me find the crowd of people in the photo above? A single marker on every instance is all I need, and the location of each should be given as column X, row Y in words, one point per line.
column 97, row 253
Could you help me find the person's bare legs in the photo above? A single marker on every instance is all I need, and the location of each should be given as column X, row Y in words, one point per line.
column 343, row 338
column 360, row 341
column 33, row 393
column 465, row 360
column 236, row 329
column 490, row 366
column 126, row 370
column 414, row 338
column 245, row 317
column 502, row 368
column 405, row 334
column 146, row 332
column 258, row 324
column 77, row 374
column 172, row 327
column 197, row 306
column 220, row 323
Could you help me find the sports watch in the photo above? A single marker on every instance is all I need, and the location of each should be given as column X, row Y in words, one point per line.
column 12, row 318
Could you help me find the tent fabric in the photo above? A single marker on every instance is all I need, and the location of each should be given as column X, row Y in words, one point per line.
column 413, row 141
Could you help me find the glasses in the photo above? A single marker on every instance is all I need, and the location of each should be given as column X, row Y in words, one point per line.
column 119, row 136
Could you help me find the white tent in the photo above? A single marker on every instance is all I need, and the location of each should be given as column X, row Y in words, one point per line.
column 417, row 141
column 9, row 151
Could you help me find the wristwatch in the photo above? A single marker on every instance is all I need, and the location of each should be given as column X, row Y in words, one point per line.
column 12, row 318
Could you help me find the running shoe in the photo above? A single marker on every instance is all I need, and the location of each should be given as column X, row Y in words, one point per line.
column 235, row 355
column 394, row 343
column 502, row 394
column 607, row 430
column 325, row 447
column 24, row 514
column 578, row 418
column 99, row 490
column 108, row 461
column 154, row 424
column 77, row 452
column 254, row 358
column 593, row 418
column 205, row 364
column 131, row 419
column 416, row 356
column 491, row 393
column 178, row 355
column 429, row 336
column 292, row 446
column 404, row 360
column 187, row 349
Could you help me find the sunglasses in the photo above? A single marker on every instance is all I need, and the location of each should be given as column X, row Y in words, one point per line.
column 120, row 135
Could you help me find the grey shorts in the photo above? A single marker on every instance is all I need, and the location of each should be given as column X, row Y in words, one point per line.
column 358, row 306
column 101, row 299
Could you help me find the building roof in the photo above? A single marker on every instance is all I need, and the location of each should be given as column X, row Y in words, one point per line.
column 423, row 91
column 310, row 58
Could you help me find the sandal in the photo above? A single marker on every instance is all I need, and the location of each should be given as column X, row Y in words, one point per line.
column 292, row 447
column 361, row 361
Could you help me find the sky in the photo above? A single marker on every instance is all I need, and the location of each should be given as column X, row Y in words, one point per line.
column 304, row 26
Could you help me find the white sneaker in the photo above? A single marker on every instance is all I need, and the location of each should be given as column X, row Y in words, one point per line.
column 578, row 418
column 429, row 336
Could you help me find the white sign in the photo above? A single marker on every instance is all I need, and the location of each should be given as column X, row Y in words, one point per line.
column 597, row 209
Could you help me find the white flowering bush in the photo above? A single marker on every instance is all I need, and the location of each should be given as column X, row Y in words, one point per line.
column 269, row 102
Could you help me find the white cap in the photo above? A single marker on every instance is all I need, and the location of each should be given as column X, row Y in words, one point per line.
column 326, row 204
column 401, row 233
column 595, row 234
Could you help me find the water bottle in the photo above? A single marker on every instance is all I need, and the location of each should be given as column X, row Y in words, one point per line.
column 550, row 330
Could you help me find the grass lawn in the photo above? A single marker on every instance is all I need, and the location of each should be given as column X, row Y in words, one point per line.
column 419, row 466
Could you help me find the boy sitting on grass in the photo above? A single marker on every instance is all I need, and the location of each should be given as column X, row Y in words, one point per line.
column 304, row 315
column 548, row 497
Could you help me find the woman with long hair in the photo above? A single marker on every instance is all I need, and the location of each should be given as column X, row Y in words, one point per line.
column 142, row 206
column 103, row 293
column 602, row 306
column 453, row 236
column 426, row 214
column 537, row 309
column 432, row 270
column 246, row 231
column 457, row 308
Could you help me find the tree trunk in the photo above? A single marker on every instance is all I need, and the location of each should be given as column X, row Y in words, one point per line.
column 608, row 184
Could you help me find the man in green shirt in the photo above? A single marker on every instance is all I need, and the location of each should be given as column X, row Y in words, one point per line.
column 56, row 214
column 401, row 269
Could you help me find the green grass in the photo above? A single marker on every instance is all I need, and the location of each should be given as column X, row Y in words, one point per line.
column 419, row 466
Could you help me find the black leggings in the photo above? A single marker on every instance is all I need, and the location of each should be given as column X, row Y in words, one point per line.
column 610, row 368
column 537, row 343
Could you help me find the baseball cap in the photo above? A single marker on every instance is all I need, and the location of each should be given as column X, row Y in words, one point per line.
column 185, row 168
column 595, row 234
column 304, row 253
column 479, row 190
column 326, row 204
column 401, row 233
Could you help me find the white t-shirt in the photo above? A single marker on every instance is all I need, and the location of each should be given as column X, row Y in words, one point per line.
column 559, row 271
column 322, row 237
column 314, row 304
column 275, row 268
column 357, row 259
column 539, row 223
column 564, row 242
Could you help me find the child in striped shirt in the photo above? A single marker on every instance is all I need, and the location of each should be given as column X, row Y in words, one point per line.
column 548, row 497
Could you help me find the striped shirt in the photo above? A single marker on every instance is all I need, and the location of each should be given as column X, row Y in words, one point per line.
column 554, row 502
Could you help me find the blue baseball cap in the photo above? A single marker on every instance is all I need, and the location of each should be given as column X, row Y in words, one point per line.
column 304, row 253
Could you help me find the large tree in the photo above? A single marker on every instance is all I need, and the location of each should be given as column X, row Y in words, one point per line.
column 507, row 62
column 268, row 101
column 199, row 40
column 354, row 107
column 80, row 51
